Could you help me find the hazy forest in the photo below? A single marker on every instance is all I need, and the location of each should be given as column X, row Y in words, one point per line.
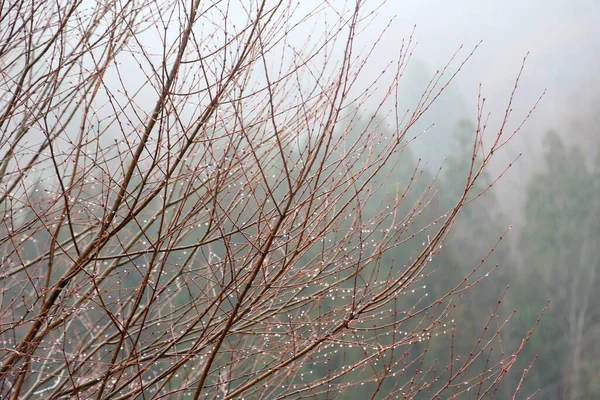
column 276, row 199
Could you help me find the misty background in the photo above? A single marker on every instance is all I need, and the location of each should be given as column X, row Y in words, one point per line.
column 552, row 193
column 563, row 41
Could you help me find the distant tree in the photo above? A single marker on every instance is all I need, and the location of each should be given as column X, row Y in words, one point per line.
column 441, row 118
column 184, row 189
column 562, row 261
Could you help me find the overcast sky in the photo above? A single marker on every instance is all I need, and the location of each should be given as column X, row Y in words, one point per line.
column 562, row 37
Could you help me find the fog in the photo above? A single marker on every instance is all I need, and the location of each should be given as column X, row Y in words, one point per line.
column 541, row 193
column 561, row 40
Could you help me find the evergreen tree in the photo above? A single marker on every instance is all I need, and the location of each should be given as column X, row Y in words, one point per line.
column 561, row 261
